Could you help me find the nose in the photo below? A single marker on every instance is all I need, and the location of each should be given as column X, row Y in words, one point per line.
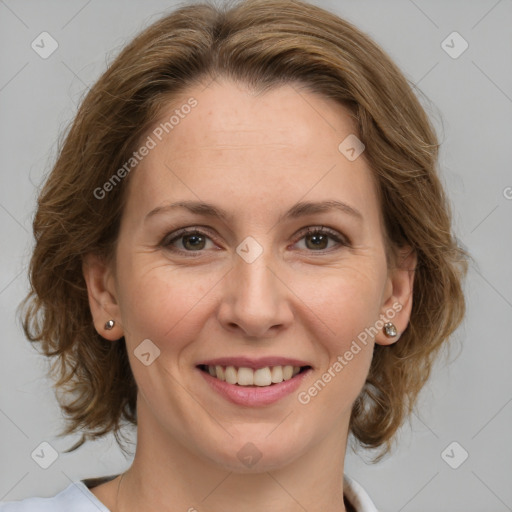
column 256, row 301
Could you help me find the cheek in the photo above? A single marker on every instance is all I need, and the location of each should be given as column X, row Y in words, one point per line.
column 346, row 301
column 346, row 307
column 163, row 303
column 168, row 307
column 349, row 312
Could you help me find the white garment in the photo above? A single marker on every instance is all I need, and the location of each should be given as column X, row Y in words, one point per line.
column 78, row 498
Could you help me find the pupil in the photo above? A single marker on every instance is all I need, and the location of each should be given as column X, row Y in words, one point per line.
column 318, row 240
column 194, row 241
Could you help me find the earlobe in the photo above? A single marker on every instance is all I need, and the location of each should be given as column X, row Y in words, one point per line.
column 397, row 306
column 102, row 298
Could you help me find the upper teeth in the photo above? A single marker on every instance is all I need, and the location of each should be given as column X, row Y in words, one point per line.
column 248, row 377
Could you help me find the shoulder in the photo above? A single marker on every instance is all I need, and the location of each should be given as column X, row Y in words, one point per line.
column 357, row 496
column 75, row 498
column 78, row 498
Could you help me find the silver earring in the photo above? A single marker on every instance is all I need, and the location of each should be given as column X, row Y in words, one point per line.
column 390, row 330
column 109, row 325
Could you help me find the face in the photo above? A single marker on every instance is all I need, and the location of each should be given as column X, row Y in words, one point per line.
column 274, row 257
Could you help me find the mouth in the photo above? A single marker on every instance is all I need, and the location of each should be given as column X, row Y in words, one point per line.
column 243, row 376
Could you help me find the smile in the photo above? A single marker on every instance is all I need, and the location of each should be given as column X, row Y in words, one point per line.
column 260, row 377
column 253, row 387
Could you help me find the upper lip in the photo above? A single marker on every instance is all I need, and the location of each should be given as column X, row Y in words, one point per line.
column 254, row 363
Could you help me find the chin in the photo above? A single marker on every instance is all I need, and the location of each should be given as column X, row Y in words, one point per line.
column 256, row 454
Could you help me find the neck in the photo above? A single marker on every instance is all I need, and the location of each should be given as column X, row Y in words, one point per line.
column 167, row 476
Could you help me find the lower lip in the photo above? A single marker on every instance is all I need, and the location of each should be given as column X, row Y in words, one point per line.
column 254, row 396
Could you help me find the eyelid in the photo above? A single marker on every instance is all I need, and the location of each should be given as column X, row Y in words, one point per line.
column 324, row 230
column 339, row 238
column 179, row 233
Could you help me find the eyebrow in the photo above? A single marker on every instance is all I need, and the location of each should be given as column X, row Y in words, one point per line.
column 298, row 210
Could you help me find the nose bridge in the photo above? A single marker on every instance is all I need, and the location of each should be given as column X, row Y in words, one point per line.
column 256, row 281
column 255, row 299
column 251, row 266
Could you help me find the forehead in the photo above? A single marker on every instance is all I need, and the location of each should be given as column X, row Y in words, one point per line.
column 242, row 148
column 230, row 116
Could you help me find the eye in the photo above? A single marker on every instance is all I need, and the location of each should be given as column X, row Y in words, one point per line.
column 315, row 239
column 187, row 240
column 321, row 239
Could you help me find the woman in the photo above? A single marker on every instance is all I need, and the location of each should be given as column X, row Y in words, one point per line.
column 245, row 250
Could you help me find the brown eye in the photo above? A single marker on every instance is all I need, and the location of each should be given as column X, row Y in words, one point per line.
column 187, row 241
column 317, row 241
column 322, row 239
column 193, row 242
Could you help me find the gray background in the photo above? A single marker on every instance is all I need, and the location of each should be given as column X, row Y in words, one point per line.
column 470, row 101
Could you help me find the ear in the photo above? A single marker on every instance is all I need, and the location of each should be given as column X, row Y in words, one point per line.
column 102, row 296
column 397, row 300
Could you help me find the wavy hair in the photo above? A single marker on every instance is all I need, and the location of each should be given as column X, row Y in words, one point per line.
column 262, row 44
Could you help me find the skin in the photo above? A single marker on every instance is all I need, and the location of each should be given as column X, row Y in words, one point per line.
column 254, row 156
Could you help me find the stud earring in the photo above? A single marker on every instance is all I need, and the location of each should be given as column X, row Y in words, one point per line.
column 390, row 330
column 109, row 325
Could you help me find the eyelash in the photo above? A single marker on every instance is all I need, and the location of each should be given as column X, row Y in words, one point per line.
column 341, row 240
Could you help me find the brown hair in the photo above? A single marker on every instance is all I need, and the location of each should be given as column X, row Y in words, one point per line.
column 260, row 43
